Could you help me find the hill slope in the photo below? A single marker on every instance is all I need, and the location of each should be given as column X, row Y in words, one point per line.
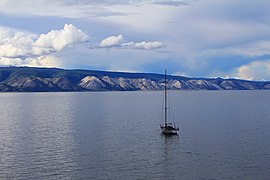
column 28, row 79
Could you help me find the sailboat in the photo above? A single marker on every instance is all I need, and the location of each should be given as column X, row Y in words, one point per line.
column 167, row 128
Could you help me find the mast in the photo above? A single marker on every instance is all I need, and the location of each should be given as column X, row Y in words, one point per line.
column 165, row 93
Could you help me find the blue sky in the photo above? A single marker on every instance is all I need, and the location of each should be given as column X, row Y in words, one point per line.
column 197, row 38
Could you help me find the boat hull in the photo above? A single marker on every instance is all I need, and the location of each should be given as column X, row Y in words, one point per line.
column 168, row 130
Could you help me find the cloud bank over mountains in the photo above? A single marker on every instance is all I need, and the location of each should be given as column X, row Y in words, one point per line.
column 255, row 70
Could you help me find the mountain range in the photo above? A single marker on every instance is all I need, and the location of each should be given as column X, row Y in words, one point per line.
column 31, row 79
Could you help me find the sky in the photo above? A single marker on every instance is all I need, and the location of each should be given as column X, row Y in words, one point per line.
column 195, row 38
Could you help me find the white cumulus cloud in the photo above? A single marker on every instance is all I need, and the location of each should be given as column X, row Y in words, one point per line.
column 5, row 33
column 59, row 39
column 21, row 45
column 144, row 45
column 16, row 46
column 257, row 70
column 112, row 41
column 117, row 41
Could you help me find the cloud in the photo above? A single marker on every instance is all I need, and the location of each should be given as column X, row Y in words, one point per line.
column 129, row 2
column 202, row 37
column 23, row 48
column 112, row 41
column 4, row 61
column 24, row 45
column 144, row 45
column 257, row 70
column 171, row 3
column 59, row 39
column 17, row 46
column 41, row 61
column 5, row 33
column 59, row 8
column 117, row 41
column 254, row 49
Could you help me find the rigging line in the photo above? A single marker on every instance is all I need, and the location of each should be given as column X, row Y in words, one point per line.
column 165, row 96
column 162, row 110
column 171, row 114
column 171, row 108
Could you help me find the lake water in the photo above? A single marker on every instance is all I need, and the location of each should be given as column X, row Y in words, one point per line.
column 116, row 135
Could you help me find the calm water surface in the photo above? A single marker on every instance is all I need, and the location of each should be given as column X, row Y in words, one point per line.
column 116, row 135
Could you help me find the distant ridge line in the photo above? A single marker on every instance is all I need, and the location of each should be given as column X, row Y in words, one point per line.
column 38, row 79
